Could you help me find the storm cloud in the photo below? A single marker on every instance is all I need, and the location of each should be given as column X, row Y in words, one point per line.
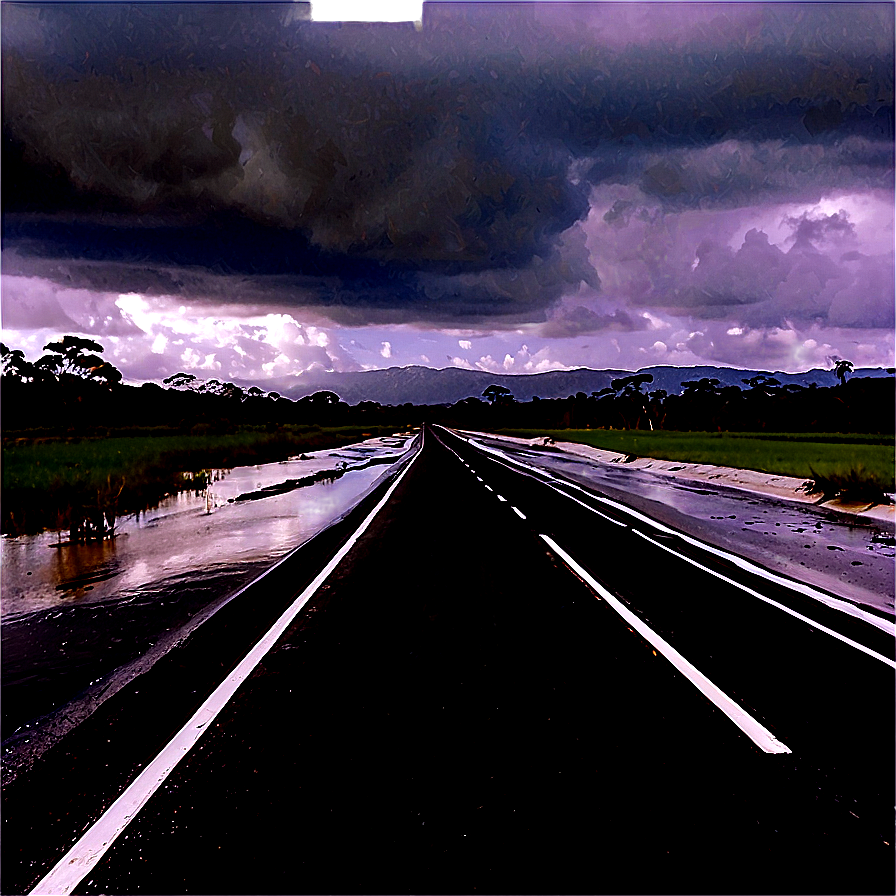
column 395, row 162
column 558, row 166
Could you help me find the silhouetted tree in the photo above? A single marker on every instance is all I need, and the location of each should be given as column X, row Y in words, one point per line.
column 69, row 359
column 841, row 369
column 497, row 394
column 630, row 400
column 181, row 381
column 14, row 365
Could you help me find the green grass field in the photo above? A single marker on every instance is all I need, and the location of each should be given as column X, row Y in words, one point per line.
column 831, row 457
column 48, row 482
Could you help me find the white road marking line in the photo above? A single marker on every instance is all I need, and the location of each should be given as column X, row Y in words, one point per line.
column 518, row 512
column 773, row 603
column 746, row 565
column 479, row 478
column 757, row 732
column 501, row 498
column 489, row 487
column 609, row 519
column 95, row 842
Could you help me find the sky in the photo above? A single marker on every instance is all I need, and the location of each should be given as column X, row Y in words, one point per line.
column 241, row 193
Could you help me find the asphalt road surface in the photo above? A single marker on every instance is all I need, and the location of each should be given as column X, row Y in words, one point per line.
column 506, row 685
column 850, row 555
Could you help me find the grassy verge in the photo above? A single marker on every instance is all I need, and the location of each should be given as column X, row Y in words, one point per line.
column 853, row 465
column 70, row 483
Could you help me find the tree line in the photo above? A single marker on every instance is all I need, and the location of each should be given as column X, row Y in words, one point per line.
column 860, row 404
column 72, row 388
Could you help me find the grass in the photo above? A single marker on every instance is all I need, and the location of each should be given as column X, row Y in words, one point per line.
column 74, row 484
column 852, row 465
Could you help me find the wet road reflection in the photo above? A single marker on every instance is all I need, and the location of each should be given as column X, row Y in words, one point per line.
column 80, row 620
column 849, row 556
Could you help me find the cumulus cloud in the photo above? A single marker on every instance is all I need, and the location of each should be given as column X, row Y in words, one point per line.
column 698, row 265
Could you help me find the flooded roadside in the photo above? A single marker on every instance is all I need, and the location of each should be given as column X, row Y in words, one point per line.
column 81, row 620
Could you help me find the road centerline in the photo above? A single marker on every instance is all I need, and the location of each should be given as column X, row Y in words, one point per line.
column 742, row 563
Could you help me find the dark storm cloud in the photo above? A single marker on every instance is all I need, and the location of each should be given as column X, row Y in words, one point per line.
column 387, row 174
column 738, row 172
column 579, row 320
column 810, row 231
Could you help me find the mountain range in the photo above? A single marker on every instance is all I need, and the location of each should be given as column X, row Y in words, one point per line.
column 426, row 385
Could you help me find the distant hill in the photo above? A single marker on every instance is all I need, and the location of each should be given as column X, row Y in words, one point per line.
column 426, row 385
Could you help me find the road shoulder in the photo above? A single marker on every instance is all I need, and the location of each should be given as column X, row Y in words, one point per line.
column 788, row 488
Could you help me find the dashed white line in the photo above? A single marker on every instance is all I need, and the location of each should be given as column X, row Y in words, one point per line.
column 95, row 842
column 757, row 732
column 518, row 512
column 501, row 498
column 744, row 564
column 489, row 487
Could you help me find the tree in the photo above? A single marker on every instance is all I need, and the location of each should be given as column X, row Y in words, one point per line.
column 325, row 398
column 762, row 384
column 69, row 359
column 629, row 397
column 181, row 381
column 841, row 369
column 14, row 365
column 497, row 394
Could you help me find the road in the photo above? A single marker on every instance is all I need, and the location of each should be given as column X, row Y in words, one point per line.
column 506, row 684
column 850, row 555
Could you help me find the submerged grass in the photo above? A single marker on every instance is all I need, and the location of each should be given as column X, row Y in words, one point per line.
column 859, row 466
column 65, row 483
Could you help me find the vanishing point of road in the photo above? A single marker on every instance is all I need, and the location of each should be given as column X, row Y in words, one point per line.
column 486, row 680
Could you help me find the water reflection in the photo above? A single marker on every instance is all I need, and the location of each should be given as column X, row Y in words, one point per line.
column 79, row 620
column 186, row 534
column 845, row 555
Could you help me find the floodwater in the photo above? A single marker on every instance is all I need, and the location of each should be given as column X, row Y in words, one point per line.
column 81, row 620
column 844, row 554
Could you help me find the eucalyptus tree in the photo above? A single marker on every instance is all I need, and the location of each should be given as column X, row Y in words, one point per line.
column 630, row 401
column 497, row 394
column 842, row 368
column 13, row 364
column 72, row 359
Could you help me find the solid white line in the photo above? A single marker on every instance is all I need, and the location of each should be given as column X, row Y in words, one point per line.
column 748, row 566
column 774, row 603
column 91, row 847
column 744, row 564
column 609, row 519
column 757, row 732
column 518, row 512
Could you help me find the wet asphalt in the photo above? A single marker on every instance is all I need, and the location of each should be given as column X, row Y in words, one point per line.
column 846, row 554
column 455, row 712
